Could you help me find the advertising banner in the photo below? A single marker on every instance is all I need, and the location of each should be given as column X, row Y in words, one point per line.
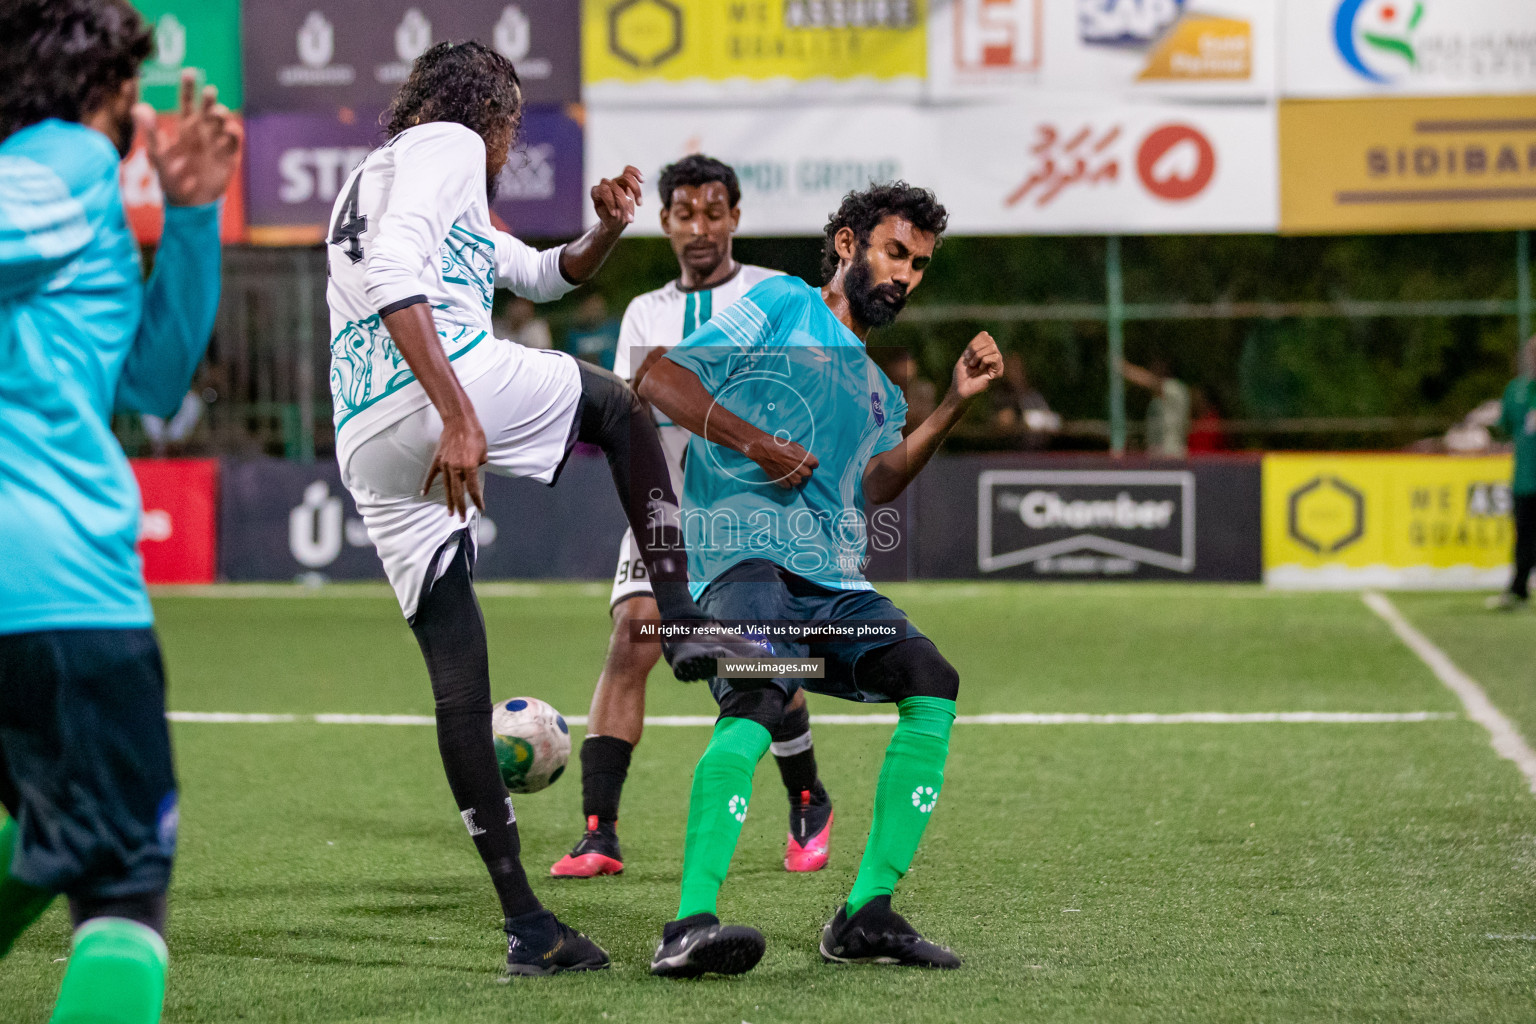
column 1020, row 517
column 1387, row 521
column 1407, row 164
column 285, row 521
column 145, row 203
column 322, row 55
column 1340, row 48
column 177, row 525
column 298, row 163
column 201, row 34
column 640, row 51
column 1024, row 168
column 1212, row 49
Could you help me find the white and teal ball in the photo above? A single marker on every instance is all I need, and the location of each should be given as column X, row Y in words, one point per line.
column 533, row 743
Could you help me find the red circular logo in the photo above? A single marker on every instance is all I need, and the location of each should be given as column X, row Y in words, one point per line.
column 1175, row 162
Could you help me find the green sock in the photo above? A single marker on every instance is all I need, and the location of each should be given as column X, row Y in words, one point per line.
column 722, row 786
column 116, row 975
column 20, row 904
column 910, row 780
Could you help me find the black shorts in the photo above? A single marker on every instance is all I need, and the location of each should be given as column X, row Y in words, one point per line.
column 759, row 590
column 85, row 761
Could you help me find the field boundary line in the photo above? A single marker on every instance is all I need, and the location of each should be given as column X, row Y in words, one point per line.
column 1025, row 718
column 1506, row 739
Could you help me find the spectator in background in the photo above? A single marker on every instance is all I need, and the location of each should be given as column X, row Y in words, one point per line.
column 922, row 397
column 1167, row 412
column 1205, row 433
column 1019, row 411
column 594, row 335
column 522, row 324
column 166, row 436
column 1517, row 421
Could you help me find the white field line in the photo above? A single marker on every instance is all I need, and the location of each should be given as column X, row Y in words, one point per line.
column 1506, row 739
column 1184, row 718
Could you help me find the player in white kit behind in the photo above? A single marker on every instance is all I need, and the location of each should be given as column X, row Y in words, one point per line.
column 424, row 395
column 699, row 212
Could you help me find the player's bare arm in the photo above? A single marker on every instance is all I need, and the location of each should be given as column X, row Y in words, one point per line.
column 680, row 394
column 614, row 200
column 197, row 158
column 461, row 449
column 889, row 473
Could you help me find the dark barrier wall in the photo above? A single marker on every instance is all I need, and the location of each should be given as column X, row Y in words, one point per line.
column 985, row 517
column 280, row 521
column 1043, row 517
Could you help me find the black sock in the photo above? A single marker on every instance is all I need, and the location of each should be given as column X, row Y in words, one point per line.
column 793, row 750
column 604, row 767
column 615, row 420
column 147, row 909
column 451, row 632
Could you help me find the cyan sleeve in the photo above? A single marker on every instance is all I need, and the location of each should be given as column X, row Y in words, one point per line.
column 895, row 419
column 180, row 302
column 42, row 226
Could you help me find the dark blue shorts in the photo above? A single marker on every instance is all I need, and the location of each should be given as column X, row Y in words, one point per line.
column 760, row 590
column 85, row 761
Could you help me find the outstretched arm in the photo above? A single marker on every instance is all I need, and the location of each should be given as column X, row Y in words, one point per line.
column 614, row 200
column 678, row 392
column 889, row 473
column 1140, row 377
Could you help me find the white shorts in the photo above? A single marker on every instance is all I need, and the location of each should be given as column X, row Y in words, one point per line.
column 630, row 579
column 526, row 403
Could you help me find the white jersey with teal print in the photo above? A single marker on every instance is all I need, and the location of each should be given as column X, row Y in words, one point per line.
column 412, row 224
column 780, row 360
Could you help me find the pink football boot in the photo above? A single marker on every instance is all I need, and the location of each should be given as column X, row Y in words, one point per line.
column 810, row 835
column 596, row 854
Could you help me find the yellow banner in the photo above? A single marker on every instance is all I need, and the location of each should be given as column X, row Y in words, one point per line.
column 1386, row 520
column 1407, row 164
column 716, row 41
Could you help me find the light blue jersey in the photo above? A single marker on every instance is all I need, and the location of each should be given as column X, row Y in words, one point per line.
column 780, row 360
column 81, row 335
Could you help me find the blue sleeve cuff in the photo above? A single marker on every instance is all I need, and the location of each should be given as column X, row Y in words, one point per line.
column 194, row 218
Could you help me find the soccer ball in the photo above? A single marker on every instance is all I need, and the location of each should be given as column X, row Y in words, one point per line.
column 532, row 743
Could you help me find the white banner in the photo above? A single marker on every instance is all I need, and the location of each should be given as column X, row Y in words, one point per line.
column 1021, row 168
column 1210, row 49
column 1346, row 48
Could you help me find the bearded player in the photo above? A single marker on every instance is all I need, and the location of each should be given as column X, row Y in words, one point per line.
column 424, row 396
column 700, row 210
column 797, row 432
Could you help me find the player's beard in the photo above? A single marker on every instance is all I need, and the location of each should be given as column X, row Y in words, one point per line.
column 125, row 130
column 872, row 305
column 492, row 186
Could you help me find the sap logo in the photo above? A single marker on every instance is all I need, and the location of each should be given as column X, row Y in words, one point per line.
column 170, row 41
column 316, row 174
column 997, row 35
column 412, row 37
column 316, row 44
column 1125, row 22
column 513, row 38
column 1375, row 37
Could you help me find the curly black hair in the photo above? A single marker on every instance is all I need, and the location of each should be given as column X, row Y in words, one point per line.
column 863, row 212
column 64, row 58
column 698, row 169
column 466, row 83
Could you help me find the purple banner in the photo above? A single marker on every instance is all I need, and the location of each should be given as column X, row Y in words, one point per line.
column 298, row 162
column 322, row 55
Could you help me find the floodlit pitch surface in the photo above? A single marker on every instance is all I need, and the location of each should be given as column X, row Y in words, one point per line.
column 1156, row 872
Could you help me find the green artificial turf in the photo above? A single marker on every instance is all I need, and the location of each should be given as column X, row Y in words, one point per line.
column 1256, row 872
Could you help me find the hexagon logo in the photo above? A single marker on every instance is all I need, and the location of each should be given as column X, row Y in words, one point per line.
column 645, row 33
column 1325, row 515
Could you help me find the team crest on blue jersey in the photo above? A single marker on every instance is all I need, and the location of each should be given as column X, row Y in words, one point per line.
column 874, row 407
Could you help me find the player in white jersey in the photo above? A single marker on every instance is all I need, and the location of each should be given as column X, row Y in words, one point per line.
column 425, row 395
column 700, row 209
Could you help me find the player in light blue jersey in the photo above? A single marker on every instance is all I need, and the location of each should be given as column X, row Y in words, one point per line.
column 797, row 435
column 85, row 758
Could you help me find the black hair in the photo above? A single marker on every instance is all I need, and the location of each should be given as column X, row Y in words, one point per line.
column 466, row 83
column 863, row 212
column 64, row 58
column 697, row 169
